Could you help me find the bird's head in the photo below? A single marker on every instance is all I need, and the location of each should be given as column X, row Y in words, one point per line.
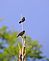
column 24, row 31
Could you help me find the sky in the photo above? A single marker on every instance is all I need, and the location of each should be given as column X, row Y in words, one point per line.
column 37, row 19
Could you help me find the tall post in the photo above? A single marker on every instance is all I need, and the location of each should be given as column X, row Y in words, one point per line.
column 22, row 43
column 22, row 51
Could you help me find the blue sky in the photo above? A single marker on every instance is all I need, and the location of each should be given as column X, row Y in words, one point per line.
column 37, row 18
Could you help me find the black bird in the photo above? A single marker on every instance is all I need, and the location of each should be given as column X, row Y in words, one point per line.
column 21, row 33
column 22, row 20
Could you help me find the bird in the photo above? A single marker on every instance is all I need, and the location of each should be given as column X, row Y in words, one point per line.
column 22, row 20
column 21, row 33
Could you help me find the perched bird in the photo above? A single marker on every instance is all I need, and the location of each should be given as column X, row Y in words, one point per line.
column 21, row 33
column 22, row 20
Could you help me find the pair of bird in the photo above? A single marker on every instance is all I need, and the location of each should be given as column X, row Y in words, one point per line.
column 21, row 33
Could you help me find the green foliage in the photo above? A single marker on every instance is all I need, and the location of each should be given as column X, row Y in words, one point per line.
column 32, row 46
column 47, row 59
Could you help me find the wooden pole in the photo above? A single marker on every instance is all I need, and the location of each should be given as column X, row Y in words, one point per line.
column 22, row 53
